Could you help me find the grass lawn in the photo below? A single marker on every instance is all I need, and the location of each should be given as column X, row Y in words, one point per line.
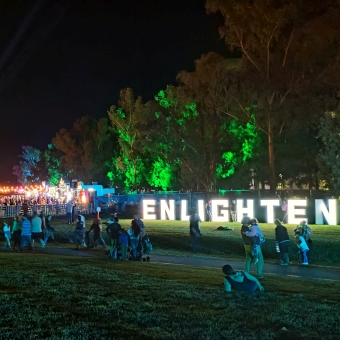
column 59, row 297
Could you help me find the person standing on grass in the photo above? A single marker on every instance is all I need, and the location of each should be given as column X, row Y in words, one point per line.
column 79, row 233
column 97, row 228
column 16, row 231
column 284, row 208
column 113, row 231
column 303, row 247
column 124, row 243
column 257, row 237
column 195, row 231
column 7, row 233
column 49, row 230
column 241, row 281
column 37, row 233
column 25, row 234
column 140, row 223
column 248, row 247
column 282, row 242
column 135, row 233
column 233, row 211
column 69, row 207
column 208, row 208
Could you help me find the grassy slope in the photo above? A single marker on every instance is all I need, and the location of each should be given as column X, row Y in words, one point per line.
column 58, row 297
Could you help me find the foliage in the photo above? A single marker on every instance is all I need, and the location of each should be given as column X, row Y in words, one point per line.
column 28, row 169
column 203, row 139
column 44, row 297
column 286, row 62
column 329, row 134
column 52, row 158
column 86, row 149
column 130, row 121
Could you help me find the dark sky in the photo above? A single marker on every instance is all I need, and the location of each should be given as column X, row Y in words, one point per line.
column 60, row 60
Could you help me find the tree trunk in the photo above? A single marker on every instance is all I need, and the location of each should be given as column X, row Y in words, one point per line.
column 272, row 176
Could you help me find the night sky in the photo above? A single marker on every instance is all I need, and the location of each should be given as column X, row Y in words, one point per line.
column 61, row 60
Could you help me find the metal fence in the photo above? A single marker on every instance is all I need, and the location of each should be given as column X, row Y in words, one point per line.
column 48, row 209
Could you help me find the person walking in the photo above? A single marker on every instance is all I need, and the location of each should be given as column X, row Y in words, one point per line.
column 282, row 242
column 248, row 247
column 97, row 228
column 7, row 233
column 49, row 230
column 113, row 231
column 195, row 232
column 25, row 234
column 37, row 233
column 79, row 233
column 16, row 231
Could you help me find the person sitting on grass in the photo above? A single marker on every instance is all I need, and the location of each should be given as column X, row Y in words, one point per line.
column 303, row 247
column 239, row 280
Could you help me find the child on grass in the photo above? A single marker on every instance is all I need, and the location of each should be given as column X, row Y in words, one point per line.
column 7, row 233
column 123, row 241
column 303, row 247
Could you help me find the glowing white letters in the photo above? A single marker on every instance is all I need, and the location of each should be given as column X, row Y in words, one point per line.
column 149, row 212
column 293, row 212
column 321, row 211
column 220, row 210
column 242, row 211
column 270, row 204
column 224, row 213
column 168, row 210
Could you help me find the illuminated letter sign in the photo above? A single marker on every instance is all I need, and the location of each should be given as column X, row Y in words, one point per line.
column 168, row 210
column 241, row 211
column 201, row 209
column 149, row 209
column 184, row 210
column 321, row 211
column 270, row 204
column 224, row 213
column 293, row 212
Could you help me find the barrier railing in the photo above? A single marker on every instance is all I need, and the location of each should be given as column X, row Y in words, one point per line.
column 10, row 211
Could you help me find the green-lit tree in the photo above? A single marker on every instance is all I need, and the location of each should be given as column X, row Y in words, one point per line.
column 130, row 122
column 289, row 50
column 52, row 158
column 204, row 141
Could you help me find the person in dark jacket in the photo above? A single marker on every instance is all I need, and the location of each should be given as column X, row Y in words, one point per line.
column 282, row 242
column 113, row 231
column 195, row 232
column 248, row 247
column 97, row 228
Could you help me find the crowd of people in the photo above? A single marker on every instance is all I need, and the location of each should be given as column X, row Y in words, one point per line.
column 26, row 231
column 253, row 239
